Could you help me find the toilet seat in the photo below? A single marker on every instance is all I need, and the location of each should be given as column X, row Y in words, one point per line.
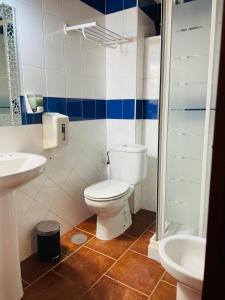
column 107, row 190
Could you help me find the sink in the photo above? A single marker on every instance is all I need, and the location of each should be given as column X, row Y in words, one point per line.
column 16, row 169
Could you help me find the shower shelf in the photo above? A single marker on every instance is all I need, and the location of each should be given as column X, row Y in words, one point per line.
column 98, row 34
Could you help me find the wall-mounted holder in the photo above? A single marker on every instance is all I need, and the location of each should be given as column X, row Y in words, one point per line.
column 34, row 104
column 98, row 34
column 55, row 130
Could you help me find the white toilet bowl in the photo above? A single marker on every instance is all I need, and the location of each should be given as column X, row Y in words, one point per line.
column 109, row 200
column 183, row 257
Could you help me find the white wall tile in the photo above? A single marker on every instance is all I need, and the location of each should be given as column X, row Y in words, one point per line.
column 32, row 188
column 73, row 85
column 114, row 22
column 58, row 193
column 26, row 229
column 21, row 204
column 53, row 6
column 152, row 46
column 72, row 53
column 34, row 80
column 121, row 88
column 120, row 132
column 56, row 83
column 53, row 42
column 149, row 186
column 70, row 11
column 151, row 88
column 130, row 21
column 31, row 41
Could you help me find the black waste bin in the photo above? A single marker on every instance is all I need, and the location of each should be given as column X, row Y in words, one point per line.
column 48, row 239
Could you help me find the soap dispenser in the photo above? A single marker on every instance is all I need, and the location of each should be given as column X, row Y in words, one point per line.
column 55, row 130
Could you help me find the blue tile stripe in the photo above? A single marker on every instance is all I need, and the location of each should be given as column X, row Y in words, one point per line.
column 76, row 109
column 90, row 109
column 110, row 6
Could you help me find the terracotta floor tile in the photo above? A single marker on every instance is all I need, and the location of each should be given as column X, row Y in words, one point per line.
column 137, row 271
column 140, row 222
column 168, row 278
column 89, row 225
column 25, row 284
column 84, row 267
column 141, row 245
column 114, row 248
column 69, row 247
column 153, row 227
column 32, row 268
column 108, row 289
column 51, row 287
column 164, row 291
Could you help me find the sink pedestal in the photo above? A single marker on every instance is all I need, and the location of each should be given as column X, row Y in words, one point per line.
column 16, row 169
column 10, row 274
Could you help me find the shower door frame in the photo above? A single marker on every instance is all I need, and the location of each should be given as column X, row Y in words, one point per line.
column 213, row 286
column 167, row 12
column 163, row 114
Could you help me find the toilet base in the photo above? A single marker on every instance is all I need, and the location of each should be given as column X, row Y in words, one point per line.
column 110, row 227
column 186, row 293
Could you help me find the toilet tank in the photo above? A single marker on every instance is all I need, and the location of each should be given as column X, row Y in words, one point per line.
column 128, row 163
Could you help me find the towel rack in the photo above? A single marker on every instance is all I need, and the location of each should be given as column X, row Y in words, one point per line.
column 98, row 34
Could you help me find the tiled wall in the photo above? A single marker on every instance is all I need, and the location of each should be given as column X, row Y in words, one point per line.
column 121, row 78
column 124, row 77
column 70, row 73
column 89, row 84
column 150, row 122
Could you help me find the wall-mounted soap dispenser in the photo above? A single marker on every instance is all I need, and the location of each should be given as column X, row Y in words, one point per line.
column 34, row 103
column 55, row 130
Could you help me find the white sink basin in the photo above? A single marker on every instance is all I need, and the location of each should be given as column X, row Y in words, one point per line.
column 16, row 169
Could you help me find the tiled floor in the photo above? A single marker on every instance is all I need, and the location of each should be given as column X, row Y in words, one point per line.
column 101, row 270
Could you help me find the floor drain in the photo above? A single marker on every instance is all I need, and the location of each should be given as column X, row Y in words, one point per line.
column 79, row 238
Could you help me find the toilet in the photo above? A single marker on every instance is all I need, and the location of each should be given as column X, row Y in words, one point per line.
column 183, row 257
column 109, row 198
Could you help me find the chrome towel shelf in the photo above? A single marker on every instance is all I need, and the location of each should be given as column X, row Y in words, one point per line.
column 97, row 34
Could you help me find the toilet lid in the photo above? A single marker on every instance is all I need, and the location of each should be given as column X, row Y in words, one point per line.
column 107, row 189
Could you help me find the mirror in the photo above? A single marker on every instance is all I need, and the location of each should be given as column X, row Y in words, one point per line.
column 10, row 113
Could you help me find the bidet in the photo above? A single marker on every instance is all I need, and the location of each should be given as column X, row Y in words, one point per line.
column 183, row 257
column 16, row 169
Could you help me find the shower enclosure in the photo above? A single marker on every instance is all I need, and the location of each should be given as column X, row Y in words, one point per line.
column 191, row 33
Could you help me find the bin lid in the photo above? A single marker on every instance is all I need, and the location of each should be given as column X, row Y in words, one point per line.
column 48, row 228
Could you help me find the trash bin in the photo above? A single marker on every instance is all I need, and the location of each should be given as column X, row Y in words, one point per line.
column 48, row 240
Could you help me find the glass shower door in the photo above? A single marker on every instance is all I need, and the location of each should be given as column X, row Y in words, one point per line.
column 190, row 110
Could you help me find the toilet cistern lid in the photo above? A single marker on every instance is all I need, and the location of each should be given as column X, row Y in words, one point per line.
column 106, row 189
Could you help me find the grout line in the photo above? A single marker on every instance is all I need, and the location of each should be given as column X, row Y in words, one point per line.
column 138, row 253
column 152, row 231
column 84, row 231
column 56, row 265
column 100, row 253
column 93, row 235
column 168, row 283
column 126, row 285
column 156, row 285
column 28, row 284
column 106, row 271
column 104, row 274
column 131, row 236
column 109, row 269
column 61, row 275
